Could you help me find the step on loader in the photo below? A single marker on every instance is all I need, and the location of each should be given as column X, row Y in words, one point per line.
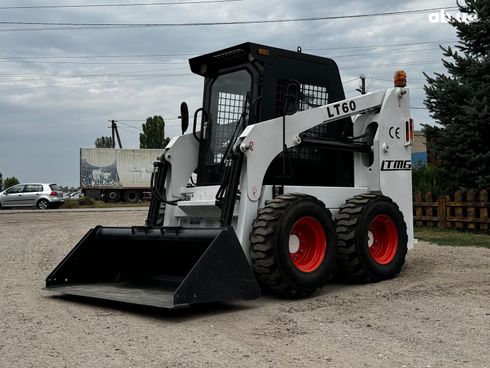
column 282, row 181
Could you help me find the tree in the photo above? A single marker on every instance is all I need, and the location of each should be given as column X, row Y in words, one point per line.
column 103, row 142
column 8, row 182
column 459, row 102
column 1, row 181
column 153, row 135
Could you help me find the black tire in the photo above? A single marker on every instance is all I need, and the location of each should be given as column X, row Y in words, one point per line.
column 275, row 266
column 112, row 196
column 132, row 196
column 372, row 239
column 42, row 204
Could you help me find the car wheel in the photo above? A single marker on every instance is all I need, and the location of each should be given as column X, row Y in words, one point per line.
column 42, row 204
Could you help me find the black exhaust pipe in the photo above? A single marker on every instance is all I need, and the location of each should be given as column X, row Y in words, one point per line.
column 154, row 266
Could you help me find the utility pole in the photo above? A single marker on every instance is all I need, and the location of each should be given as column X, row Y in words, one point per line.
column 362, row 88
column 115, row 134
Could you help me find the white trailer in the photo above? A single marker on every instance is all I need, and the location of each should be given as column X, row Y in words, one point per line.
column 116, row 174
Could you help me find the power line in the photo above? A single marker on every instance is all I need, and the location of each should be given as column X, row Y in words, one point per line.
column 129, row 125
column 201, row 24
column 401, row 64
column 382, row 45
column 352, row 80
column 96, row 63
column 86, row 83
column 411, row 44
column 115, row 5
column 80, row 75
column 25, row 59
column 96, row 56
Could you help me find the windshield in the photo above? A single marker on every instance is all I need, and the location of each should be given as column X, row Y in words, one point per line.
column 228, row 96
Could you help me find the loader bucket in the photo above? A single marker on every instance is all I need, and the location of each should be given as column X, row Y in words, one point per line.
column 155, row 266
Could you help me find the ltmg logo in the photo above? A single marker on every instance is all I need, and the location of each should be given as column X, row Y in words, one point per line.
column 392, row 165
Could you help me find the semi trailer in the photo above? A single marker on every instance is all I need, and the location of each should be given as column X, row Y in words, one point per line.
column 117, row 174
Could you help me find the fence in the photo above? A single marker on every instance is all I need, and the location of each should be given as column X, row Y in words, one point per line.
column 466, row 211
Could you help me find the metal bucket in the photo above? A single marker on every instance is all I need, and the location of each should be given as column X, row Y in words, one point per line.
column 155, row 266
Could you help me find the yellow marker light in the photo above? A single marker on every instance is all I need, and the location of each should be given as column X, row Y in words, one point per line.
column 263, row 52
column 400, row 78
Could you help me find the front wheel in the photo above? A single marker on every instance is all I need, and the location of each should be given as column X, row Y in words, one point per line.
column 293, row 244
column 372, row 238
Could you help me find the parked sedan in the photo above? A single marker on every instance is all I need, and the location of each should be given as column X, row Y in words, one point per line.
column 42, row 196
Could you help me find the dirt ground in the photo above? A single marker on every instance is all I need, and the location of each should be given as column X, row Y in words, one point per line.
column 435, row 314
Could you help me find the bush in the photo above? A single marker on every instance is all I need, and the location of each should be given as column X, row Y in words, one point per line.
column 428, row 179
column 71, row 203
column 86, row 201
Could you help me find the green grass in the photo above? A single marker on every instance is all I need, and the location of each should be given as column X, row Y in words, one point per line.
column 452, row 237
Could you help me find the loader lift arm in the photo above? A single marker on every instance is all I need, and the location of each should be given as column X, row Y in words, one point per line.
column 260, row 151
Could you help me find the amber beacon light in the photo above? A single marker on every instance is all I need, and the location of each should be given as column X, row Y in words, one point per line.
column 400, row 78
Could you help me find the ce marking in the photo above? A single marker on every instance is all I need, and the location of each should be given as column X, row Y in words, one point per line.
column 396, row 132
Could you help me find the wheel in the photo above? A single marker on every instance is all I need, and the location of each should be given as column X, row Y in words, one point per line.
column 42, row 204
column 112, row 196
column 132, row 196
column 293, row 245
column 372, row 239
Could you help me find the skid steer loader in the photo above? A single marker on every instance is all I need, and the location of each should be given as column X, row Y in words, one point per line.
column 275, row 154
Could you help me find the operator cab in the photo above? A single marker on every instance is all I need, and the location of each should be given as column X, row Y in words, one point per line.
column 251, row 83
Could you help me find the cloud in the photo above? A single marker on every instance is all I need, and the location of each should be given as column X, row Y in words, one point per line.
column 50, row 107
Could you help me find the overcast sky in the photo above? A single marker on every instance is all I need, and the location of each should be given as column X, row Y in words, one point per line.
column 59, row 88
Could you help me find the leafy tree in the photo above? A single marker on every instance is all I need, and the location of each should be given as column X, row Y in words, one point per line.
column 103, row 142
column 8, row 182
column 153, row 135
column 1, row 181
column 459, row 102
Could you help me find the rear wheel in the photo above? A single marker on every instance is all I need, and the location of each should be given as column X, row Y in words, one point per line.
column 372, row 238
column 112, row 196
column 42, row 204
column 293, row 244
column 132, row 196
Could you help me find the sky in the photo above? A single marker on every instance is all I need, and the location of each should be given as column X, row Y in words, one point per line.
column 60, row 85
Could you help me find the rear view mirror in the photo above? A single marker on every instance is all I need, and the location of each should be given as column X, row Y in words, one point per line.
column 184, row 117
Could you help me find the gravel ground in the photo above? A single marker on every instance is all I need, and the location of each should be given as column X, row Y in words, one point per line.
column 435, row 314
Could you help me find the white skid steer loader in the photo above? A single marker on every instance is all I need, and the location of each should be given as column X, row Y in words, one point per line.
column 293, row 182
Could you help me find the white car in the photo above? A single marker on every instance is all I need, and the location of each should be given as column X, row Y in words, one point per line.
column 42, row 196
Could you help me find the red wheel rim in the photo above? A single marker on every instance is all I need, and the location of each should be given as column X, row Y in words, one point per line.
column 382, row 239
column 307, row 244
